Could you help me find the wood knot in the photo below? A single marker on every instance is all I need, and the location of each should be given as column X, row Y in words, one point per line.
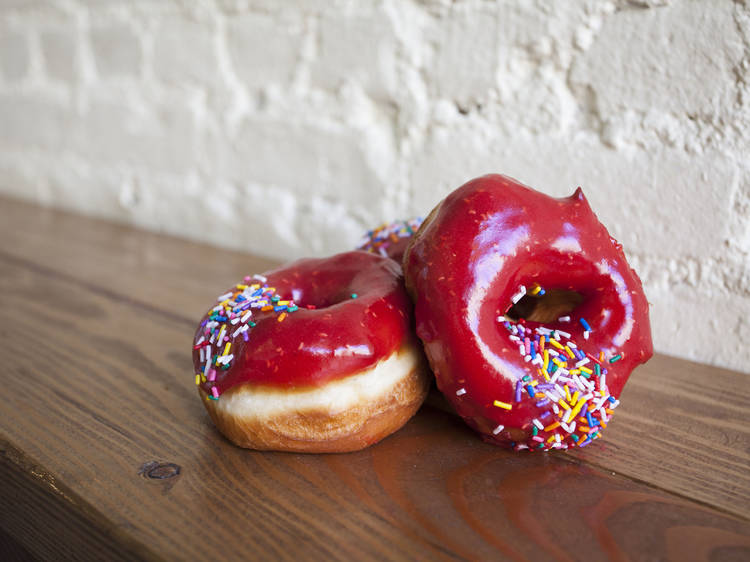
column 156, row 470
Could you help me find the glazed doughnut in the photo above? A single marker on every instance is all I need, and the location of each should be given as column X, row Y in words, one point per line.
column 530, row 316
column 390, row 240
column 317, row 356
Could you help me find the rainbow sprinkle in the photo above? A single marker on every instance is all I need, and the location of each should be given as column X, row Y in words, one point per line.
column 230, row 319
column 378, row 240
column 560, row 384
column 567, row 385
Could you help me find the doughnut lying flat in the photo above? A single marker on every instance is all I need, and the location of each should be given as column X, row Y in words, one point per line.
column 318, row 356
column 531, row 318
column 344, row 415
column 390, row 239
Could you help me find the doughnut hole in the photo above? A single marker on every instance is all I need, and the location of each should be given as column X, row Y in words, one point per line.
column 322, row 290
column 545, row 308
column 322, row 300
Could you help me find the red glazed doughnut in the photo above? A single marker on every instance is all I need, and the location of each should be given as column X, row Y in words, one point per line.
column 531, row 318
column 390, row 240
column 317, row 356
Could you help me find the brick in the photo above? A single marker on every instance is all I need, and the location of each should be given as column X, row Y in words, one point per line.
column 14, row 55
column 184, row 52
column 655, row 59
column 738, row 221
column 658, row 201
column 327, row 226
column 59, row 50
column 246, row 217
column 21, row 180
column 303, row 159
column 85, row 190
column 117, row 50
column 448, row 158
column 32, row 121
column 695, row 326
column 30, row 5
column 61, row 183
column 654, row 201
column 268, row 220
column 161, row 139
column 487, row 48
column 359, row 48
column 466, row 58
column 263, row 49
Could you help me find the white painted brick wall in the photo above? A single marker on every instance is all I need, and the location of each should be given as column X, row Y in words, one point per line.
column 288, row 128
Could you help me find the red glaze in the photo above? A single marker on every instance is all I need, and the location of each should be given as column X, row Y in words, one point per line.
column 341, row 336
column 488, row 238
column 396, row 249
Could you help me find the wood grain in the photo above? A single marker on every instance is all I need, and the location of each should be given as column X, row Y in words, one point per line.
column 682, row 427
column 31, row 499
column 685, row 427
column 168, row 273
column 100, row 393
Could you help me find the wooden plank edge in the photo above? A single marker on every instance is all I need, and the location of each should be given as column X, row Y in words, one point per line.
column 49, row 521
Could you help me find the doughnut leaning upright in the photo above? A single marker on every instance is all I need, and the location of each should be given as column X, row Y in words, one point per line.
column 530, row 316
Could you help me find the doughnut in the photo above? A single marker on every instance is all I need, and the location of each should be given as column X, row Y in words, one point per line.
column 530, row 316
column 390, row 239
column 317, row 356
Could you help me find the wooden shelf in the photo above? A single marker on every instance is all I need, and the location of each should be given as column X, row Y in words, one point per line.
column 106, row 451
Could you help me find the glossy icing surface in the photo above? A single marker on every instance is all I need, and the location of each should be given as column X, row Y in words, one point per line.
column 396, row 250
column 362, row 315
column 486, row 240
